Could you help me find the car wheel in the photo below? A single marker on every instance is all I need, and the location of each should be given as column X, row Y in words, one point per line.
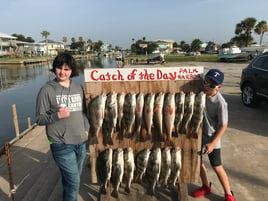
column 249, row 96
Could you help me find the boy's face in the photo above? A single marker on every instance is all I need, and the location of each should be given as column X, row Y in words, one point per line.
column 210, row 88
column 63, row 73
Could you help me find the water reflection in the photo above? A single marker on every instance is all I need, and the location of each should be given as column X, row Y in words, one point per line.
column 20, row 84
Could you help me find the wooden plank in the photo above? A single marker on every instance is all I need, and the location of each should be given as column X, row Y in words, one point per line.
column 183, row 192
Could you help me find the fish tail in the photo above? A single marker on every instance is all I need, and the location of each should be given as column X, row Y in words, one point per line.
column 127, row 189
column 103, row 190
column 128, row 134
column 108, row 140
column 94, row 140
column 114, row 193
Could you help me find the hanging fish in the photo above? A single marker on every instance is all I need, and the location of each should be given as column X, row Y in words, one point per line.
column 141, row 164
column 197, row 118
column 175, row 166
column 129, row 167
column 120, row 103
column 148, row 112
column 117, row 170
column 95, row 117
column 104, row 168
column 129, row 108
column 153, row 169
column 110, row 118
column 179, row 105
column 138, row 113
column 169, row 114
column 158, row 113
column 165, row 166
column 188, row 112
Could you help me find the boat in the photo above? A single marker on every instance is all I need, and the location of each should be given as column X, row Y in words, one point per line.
column 254, row 50
column 233, row 53
column 156, row 57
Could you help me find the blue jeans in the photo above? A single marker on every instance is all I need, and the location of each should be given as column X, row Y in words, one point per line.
column 69, row 158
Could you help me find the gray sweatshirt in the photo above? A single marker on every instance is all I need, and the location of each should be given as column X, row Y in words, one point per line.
column 70, row 130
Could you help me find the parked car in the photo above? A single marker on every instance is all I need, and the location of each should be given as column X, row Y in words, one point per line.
column 254, row 81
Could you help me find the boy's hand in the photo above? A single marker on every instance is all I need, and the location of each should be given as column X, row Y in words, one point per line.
column 63, row 112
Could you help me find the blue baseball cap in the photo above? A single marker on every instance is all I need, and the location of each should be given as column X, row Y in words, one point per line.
column 216, row 75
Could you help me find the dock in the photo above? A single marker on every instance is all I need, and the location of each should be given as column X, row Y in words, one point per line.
column 37, row 177
column 24, row 61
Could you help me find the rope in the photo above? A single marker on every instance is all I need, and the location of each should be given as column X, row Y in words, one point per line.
column 11, row 184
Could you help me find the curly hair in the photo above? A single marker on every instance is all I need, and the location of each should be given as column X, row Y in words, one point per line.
column 65, row 58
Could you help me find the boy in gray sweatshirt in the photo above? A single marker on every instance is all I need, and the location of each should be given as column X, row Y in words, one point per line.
column 60, row 106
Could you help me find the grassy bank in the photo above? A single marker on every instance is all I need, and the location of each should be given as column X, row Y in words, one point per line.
column 178, row 58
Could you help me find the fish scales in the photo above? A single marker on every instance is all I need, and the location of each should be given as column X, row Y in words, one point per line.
column 117, row 170
column 165, row 166
column 129, row 108
column 188, row 111
column 199, row 107
column 141, row 162
column 169, row 113
column 153, row 169
column 129, row 167
column 96, row 115
column 104, row 168
column 138, row 113
column 158, row 113
column 110, row 118
column 179, row 105
column 148, row 112
column 175, row 166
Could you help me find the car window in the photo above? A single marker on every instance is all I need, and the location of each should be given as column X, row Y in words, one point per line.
column 261, row 63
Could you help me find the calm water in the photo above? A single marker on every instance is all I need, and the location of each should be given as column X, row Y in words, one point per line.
column 19, row 85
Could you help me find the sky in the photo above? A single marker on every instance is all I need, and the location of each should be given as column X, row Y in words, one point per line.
column 117, row 22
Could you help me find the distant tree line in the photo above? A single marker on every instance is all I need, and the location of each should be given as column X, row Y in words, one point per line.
column 21, row 37
column 243, row 37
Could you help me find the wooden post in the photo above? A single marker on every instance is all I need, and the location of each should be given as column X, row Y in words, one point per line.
column 15, row 119
column 29, row 122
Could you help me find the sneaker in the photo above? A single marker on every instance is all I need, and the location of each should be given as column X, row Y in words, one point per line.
column 198, row 193
column 229, row 197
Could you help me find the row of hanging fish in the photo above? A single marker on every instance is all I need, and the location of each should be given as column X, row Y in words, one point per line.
column 156, row 166
column 167, row 113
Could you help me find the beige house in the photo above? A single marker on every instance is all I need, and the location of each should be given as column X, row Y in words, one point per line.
column 7, row 44
column 164, row 46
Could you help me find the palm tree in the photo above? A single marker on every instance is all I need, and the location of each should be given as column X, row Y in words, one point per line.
column 45, row 34
column 73, row 39
column 64, row 39
column 244, row 28
column 133, row 39
column 260, row 28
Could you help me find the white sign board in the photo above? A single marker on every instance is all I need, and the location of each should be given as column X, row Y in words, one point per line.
column 143, row 74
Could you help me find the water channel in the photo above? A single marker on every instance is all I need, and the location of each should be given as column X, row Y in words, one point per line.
column 19, row 85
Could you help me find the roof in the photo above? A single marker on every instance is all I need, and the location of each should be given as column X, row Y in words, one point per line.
column 50, row 41
column 3, row 35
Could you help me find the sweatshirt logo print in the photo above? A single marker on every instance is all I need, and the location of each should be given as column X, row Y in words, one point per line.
column 74, row 101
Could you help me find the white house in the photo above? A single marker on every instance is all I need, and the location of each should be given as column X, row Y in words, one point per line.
column 52, row 47
column 7, row 44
